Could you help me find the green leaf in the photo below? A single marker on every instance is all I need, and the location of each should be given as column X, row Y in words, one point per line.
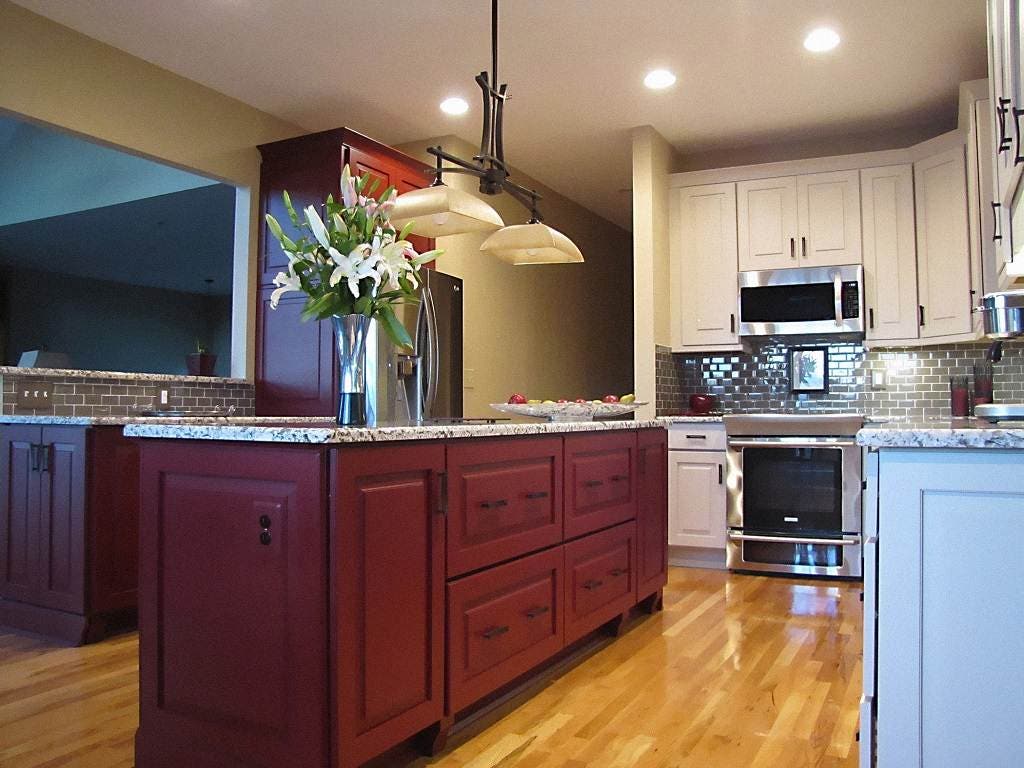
column 394, row 329
column 364, row 305
column 319, row 307
column 406, row 230
column 387, row 191
column 374, row 183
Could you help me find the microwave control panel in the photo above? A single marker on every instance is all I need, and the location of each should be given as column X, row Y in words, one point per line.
column 851, row 300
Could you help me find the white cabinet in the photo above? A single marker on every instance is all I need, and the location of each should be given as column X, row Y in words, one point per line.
column 950, row 633
column 890, row 252
column 828, row 212
column 810, row 220
column 696, row 494
column 704, row 259
column 943, row 255
column 767, row 223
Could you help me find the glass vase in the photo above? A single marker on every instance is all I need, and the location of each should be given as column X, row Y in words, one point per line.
column 350, row 333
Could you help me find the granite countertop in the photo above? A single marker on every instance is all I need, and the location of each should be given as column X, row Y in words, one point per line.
column 942, row 433
column 717, row 419
column 120, row 421
column 288, row 430
column 72, row 373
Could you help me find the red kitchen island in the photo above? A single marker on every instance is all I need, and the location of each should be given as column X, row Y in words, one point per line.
column 314, row 596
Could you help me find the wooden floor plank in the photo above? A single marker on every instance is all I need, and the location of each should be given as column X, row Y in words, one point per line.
column 738, row 671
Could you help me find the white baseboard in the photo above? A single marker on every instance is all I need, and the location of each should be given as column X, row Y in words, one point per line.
column 697, row 557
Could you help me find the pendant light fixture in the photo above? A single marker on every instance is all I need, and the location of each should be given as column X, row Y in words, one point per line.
column 439, row 210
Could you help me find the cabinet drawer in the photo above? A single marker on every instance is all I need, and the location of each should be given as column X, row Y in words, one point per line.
column 501, row 623
column 600, row 482
column 600, row 579
column 505, row 500
column 699, row 437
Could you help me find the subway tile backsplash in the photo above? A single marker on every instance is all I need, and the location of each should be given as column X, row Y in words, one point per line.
column 117, row 394
column 916, row 379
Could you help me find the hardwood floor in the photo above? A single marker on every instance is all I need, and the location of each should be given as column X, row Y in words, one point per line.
column 737, row 671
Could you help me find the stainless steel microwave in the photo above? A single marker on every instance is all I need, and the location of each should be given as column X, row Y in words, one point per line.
column 809, row 300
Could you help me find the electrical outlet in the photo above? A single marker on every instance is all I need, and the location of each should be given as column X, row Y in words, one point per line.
column 36, row 395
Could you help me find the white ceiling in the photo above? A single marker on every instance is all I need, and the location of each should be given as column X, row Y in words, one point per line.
column 574, row 68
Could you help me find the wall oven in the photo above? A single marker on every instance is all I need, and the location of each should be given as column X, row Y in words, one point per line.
column 794, row 485
column 811, row 300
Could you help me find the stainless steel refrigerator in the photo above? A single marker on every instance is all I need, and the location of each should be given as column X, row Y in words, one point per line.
column 422, row 384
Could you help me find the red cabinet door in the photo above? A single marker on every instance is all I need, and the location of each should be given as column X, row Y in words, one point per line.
column 61, row 544
column 19, row 512
column 387, row 596
column 232, row 606
column 652, row 512
column 502, row 622
column 600, row 482
column 295, row 369
column 505, row 499
column 600, row 579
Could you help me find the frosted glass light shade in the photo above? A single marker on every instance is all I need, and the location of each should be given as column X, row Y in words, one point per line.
column 532, row 244
column 439, row 211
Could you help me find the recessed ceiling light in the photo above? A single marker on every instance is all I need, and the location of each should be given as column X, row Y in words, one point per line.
column 659, row 78
column 821, row 39
column 454, row 106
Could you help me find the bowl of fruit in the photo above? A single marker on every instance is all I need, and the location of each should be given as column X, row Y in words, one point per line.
column 609, row 407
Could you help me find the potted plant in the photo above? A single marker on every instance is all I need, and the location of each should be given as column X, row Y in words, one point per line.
column 354, row 267
column 201, row 362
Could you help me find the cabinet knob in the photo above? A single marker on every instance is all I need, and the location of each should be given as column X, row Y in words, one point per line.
column 265, row 521
column 265, row 538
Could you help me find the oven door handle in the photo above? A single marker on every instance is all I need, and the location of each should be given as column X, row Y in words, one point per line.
column 754, row 443
column 837, row 283
column 794, row 540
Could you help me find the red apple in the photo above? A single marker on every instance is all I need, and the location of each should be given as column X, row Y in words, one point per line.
column 611, row 399
column 517, row 399
column 580, row 400
column 561, row 400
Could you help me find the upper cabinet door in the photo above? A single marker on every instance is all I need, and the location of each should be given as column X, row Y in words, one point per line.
column 704, row 252
column 944, row 264
column 828, row 209
column 890, row 255
column 767, row 223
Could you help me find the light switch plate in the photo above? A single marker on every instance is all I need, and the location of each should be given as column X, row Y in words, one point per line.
column 469, row 378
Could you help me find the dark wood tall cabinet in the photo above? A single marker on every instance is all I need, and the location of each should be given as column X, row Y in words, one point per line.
column 295, row 370
column 68, row 529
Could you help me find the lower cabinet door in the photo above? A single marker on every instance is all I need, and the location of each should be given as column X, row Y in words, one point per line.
column 600, row 484
column 600, row 579
column 387, row 596
column 501, row 623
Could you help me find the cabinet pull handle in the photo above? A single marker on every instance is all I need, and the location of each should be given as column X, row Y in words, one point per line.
column 619, row 478
column 792, row 247
column 1017, row 159
column 616, row 572
column 592, row 483
column 995, row 222
column 539, row 610
column 496, row 504
column 720, row 474
column 920, row 315
column 696, row 437
column 44, row 458
column 33, row 455
column 537, row 495
column 803, row 247
column 732, row 323
column 1001, row 110
column 871, row 317
column 592, row 584
column 441, row 493
column 495, row 631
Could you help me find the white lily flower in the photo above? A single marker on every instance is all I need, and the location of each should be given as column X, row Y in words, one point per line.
column 285, row 283
column 356, row 266
column 348, row 189
column 397, row 263
column 317, row 226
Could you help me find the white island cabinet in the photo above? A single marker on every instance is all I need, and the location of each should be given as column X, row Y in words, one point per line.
column 943, row 669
